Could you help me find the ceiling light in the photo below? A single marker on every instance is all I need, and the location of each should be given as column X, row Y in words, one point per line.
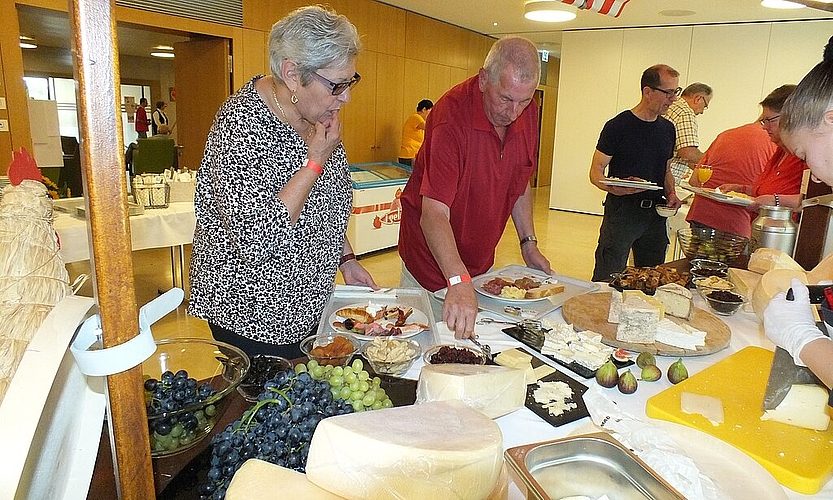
column 26, row 38
column 24, row 45
column 167, row 55
column 781, row 4
column 549, row 11
column 164, row 47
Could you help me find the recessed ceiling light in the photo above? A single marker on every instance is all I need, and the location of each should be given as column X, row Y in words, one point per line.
column 27, row 38
column 677, row 13
column 24, row 45
column 549, row 11
column 494, row 24
column 166, row 55
column 781, row 4
column 164, row 47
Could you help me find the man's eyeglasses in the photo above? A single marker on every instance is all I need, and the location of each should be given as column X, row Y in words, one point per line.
column 669, row 92
column 765, row 121
column 337, row 88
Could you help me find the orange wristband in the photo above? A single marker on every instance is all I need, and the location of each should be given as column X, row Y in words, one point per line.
column 460, row 278
column 315, row 167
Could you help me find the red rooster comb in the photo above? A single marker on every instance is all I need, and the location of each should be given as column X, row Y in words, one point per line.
column 23, row 167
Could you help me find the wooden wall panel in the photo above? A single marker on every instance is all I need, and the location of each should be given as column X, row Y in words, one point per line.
column 390, row 82
column 439, row 80
column 254, row 55
column 416, row 86
column 358, row 116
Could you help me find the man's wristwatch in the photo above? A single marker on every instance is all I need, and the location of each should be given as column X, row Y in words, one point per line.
column 527, row 239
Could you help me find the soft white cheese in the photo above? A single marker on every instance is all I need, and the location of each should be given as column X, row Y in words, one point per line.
column 493, row 390
column 805, row 405
column 257, row 479
column 553, row 396
column 441, row 449
column 708, row 406
column 567, row 345
column 679, row 335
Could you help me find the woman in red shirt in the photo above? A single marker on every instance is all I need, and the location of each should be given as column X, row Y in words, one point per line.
column 780, row 182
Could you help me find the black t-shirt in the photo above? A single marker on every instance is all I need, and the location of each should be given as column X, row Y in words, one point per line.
column 638, row 148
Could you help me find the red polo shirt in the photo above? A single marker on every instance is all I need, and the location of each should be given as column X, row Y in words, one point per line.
column 463, row 164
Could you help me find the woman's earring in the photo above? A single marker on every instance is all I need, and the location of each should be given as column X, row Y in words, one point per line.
column 293, row 98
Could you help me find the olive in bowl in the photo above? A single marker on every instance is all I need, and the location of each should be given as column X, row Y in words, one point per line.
column 724, row 302
column 263, row 368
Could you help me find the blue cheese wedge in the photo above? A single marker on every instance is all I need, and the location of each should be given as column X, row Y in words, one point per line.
column 638, row 321
column 615, row 307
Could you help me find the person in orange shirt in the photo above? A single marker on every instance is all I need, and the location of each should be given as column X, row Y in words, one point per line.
column 413, row 132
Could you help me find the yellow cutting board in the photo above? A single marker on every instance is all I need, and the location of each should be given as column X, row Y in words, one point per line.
column 800, row 459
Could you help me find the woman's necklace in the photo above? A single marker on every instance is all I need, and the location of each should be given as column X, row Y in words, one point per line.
column 286, row 118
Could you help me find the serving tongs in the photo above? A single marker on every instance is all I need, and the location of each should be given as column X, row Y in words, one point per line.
column 533, row 324
column 486, row 348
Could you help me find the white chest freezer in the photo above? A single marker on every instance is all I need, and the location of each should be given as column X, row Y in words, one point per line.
column 374, row 222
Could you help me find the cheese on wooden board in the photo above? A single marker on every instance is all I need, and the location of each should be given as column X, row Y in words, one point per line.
column 637, row 321
column 805, row 405
column 679, row 335
column 777, row 280
column 493, row 390
column 647, row 298
column 744, row 281
column 708, row 406
column 442, row 450
column 764, row 260
column 615, row 306
column 677, row 300
column 267, row 481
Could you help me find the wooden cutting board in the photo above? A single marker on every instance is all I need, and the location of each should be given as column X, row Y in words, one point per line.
column 589, row 312
column 800, row 459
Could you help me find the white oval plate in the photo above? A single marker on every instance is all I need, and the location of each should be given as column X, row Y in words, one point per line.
column 416, row 316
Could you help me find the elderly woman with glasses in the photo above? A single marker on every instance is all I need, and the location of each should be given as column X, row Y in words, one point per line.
column 274, row 192
column 780, row 182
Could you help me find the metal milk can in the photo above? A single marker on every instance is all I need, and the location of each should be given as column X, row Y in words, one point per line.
column 773, row 228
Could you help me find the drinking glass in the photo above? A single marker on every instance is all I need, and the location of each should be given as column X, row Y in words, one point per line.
column 704, row 173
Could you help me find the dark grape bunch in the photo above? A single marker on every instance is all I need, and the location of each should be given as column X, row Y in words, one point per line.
column 171, row 393
column 277, row 429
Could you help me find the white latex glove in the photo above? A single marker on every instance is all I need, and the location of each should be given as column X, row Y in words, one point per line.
column 790, row 323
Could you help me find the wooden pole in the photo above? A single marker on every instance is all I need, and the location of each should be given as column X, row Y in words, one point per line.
column 95, row 52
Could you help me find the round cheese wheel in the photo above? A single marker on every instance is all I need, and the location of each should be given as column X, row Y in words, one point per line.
column 772, row 282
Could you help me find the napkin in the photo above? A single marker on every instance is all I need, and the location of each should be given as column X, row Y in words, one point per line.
column 651, row 444
column 486, row 334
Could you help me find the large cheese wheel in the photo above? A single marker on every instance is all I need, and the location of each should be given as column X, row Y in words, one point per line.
column 437, row 450
column 267, row 481
column 764, row 260
column 823, row 272
column 494, row 390
column 772, row 282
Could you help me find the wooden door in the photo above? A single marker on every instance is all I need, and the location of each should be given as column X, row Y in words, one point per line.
column 203, row 82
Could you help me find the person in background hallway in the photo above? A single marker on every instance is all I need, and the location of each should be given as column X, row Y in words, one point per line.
column 637, row 142
column 274, row 192
column 471, row 174
column 141, row 121
column 158, row 116
column 807, row 130
column 780, row 182
column 737, row 155
column 683, row 113
column 413, row 132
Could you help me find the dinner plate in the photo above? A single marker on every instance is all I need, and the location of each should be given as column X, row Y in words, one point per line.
column 631, row 184
column 481, row 280
column 416, row 316
column 723, row 197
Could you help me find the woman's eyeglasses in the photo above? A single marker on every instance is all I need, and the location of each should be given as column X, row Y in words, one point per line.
column 337, row 88
column 765, row 121
column 669, row 92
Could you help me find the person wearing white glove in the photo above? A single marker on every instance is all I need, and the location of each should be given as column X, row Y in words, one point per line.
column 791, row 326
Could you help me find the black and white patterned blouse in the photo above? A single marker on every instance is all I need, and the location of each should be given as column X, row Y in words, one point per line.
column 252, row 271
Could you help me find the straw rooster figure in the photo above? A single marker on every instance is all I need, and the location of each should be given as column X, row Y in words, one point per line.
column 33, row 277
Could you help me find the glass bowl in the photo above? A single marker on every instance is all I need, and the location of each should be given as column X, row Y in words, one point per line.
column 391, row 356
column 724, row 307
column 316, row 347
column 710, row 244
column 454, row 353
column 665, row 211
column 709, row 265
column 187, row 381
column 705, row 285
column 263, row 368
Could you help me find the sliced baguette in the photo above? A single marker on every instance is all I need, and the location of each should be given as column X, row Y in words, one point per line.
column 544, row 291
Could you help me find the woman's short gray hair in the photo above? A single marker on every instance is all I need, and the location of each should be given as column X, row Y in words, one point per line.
column 314, row 38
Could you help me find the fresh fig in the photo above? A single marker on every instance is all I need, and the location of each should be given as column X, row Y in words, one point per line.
column 645, row 359
column 607, row 375
column 651, row 373
column 677, row 372
column 627, row 383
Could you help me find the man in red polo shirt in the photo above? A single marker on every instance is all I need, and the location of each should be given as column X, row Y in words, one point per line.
column 471, row 174
column 141, row 121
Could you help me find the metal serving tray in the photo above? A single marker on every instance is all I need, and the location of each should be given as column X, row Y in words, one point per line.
column 590, row 465
column 534, row 309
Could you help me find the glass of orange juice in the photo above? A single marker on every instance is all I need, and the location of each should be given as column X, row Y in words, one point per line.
column 704, row 173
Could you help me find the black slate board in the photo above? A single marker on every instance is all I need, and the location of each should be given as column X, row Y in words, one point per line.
column 535, row 340
column 577, row 413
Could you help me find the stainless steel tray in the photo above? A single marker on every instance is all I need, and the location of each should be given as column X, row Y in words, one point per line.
column 346, row 295
column 590, row 465
column 537, row 309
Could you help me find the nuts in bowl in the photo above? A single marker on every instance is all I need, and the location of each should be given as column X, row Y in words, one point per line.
column 391, row 356
column 330, row 348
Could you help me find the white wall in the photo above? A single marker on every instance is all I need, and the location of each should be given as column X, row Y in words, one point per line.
column 600, row 72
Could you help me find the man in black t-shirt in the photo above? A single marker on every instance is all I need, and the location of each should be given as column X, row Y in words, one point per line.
column 636, row 143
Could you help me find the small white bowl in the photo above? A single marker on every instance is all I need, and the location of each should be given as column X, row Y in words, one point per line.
column 664, row 211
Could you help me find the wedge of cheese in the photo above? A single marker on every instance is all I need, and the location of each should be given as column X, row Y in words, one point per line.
column 257, row 479
column 805, row 405
column 764, row 260
column 823, row 272
column 441, row 449
column 615, row 306
column 493, row 390
column 646, row 298
column 677, row 300
column 744, row 281
column 708, row 406
column 777, row 280
column 638, row 321
column 514, row 358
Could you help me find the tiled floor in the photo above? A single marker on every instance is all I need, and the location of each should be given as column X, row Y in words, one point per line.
column 567, row 238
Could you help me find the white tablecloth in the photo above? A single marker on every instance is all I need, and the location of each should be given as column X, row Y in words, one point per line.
column 524, row 427
column 156, row 228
